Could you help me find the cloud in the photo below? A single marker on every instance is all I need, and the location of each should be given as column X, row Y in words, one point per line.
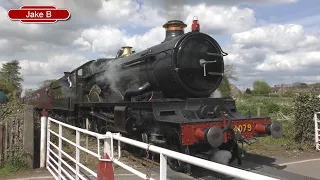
column 38, row 71
column 98, row 28
column 221, row 20
column 276, row 52
column 177, row 3
column 216, row 20
column 108, row 40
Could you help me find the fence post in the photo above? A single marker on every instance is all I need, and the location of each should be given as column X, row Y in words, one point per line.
column 10, row 130
column 87, row 138
column 43, row 140
column 48, row 142
column 5, row 150
column 77, row 155
column 108, row 144
column 28, row 135
column 105, row 169
column 1, row 143
column 163, row 167
column 60, row 149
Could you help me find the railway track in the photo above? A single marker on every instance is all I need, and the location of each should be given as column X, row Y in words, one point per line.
column 143, row 161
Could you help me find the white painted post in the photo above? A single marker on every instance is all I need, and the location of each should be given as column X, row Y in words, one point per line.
column 77, row 154
column 48, row 144
column 163, row 167
column 43, row 141
column 60, row 149
column 316, row 130
column 108, row 144
column 87, row 138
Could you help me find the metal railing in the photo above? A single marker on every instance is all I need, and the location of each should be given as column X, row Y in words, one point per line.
column 164, row 153
column 108, row 148
column 76, row 171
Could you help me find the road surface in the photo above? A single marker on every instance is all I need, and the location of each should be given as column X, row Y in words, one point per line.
column 302, row 169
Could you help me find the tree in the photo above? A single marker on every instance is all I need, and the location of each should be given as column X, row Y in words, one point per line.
column 10, row 72
column 28, row 92
column 6, row 86
column 224, row 87
column 302, row 85
column 230, row 72
column 248, row 91
column 261, row 88
column 45, row 83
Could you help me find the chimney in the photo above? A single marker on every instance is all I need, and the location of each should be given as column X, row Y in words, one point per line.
column 174, row 28
column 126, row 51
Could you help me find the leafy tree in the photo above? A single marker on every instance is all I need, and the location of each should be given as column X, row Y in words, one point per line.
column 6, row 86
column 230, row 72
column 10, row 72
column 248, row 91
column 45, row 83
column 224, row 87
column 28, row 92
column 303, row 85
column 261, row 88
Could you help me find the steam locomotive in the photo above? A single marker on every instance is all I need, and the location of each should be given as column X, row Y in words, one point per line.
column 160, row 96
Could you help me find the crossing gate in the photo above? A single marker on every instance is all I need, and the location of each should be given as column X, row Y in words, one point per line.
column 316, row 130
column 62, row 168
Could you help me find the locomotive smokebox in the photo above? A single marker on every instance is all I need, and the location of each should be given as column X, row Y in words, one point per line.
column 174, row 28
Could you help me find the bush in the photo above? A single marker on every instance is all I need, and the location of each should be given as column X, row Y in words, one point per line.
column 268, row 107
column 13, row 112
column 12, row 166
column 304, row 108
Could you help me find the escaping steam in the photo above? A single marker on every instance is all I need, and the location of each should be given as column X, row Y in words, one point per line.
column 116, row 79
column 174, row 9
column 220, row 156
column 216, row 94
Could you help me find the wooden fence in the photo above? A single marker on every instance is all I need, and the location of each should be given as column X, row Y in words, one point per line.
column 16, row 137
column 11, row 135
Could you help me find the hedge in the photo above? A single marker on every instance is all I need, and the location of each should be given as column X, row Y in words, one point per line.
column 305, row 105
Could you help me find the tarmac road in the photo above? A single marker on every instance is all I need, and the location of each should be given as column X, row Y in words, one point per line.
column 307, row 169
column 303, row 169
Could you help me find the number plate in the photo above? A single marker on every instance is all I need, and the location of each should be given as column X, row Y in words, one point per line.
column 243, row 127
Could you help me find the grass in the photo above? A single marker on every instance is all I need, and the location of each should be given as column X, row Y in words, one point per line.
column 272, row 107
column 86, row 159
column 280, row 100
column 12, row 167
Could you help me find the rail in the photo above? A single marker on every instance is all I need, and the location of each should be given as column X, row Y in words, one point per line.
column 78, row 175
column 164, row 153
column 108, row 148
column 316, row 130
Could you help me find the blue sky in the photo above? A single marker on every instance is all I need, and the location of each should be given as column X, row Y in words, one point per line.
column 287, row 13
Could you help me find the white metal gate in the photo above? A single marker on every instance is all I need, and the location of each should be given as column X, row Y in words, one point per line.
column 316, row 130
column 73, row 173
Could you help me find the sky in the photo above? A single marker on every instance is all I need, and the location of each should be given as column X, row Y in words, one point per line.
column 277, row 41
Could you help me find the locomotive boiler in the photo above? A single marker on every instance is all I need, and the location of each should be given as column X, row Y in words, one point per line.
column 160, row 96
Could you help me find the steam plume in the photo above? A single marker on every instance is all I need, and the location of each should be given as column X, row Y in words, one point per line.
column 220, row 156
column 216, row 94
column 115, row 77
column 174, row 9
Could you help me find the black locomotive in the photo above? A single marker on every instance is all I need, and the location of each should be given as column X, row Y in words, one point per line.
column 160, row 95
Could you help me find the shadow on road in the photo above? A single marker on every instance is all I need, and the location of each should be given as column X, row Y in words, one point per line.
column 252, row 162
